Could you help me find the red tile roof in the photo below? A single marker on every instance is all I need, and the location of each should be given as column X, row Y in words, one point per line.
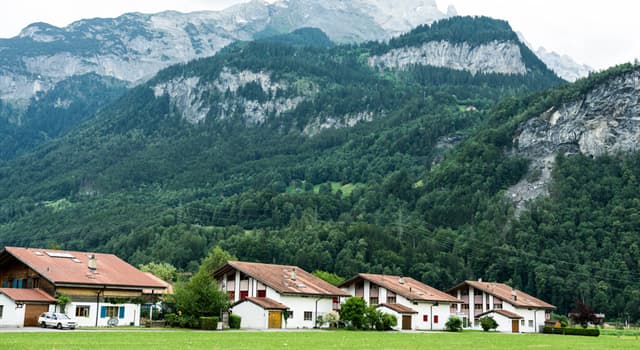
column 505, row 293
column 70, row 268
column 168, row 288
column 405, row 286
column 265, row 303
column 401, row 309
column 27, row 295
column 280, row 278
column 508, row 314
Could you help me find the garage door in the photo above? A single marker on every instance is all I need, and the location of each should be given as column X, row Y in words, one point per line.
column 32, row 312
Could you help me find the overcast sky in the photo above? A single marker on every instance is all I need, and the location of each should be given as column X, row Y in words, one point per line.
column 598, row 33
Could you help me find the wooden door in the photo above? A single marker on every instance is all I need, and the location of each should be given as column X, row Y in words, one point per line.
column 515, row 326
column 275, row 319
column 406, row 322
column 32, row 312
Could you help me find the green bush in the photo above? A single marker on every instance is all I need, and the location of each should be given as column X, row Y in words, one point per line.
column 209, row 323
column 454, row 324
column 589, row 332
column 172, row 319
column 234, row 321
column 389, row 321
column 488, row 323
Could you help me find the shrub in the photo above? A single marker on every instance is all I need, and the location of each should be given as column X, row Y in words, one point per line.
column 454, row 324
column 331, row 318
column 353, row 311
column 209, row 323
column 234, row 321
column 172, row 319
column 389, row 321
column 488, row 323
column 589, row 332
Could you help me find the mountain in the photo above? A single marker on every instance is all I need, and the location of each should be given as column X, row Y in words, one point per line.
column 563, row 65
column 132, row 48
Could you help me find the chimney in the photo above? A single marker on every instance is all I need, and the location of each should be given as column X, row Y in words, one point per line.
column 401, row 280
column 293, row 274
column 479, row 279
column 514, row 294
column 92, row 262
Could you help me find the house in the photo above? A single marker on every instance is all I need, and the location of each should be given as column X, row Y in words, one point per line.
column 21, row 307
column 416, row 305
column 514, row 310
column 103, row 289
column 276, row 296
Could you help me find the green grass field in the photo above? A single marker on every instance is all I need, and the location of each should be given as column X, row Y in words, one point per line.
column 193, row 340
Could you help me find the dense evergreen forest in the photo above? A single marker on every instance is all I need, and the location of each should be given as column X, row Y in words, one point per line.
column 416, row 191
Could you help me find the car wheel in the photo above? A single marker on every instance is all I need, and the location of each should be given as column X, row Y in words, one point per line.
column 43, row 325
column 59, row 326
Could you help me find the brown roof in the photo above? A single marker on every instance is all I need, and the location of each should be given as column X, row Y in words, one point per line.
column 167, row 289
column 508, row 314
column 265, row 303
column 406, row 287
column 69, row 267
column 504, row 292
column 28, row 295
column 401, row 309
column 280, row 278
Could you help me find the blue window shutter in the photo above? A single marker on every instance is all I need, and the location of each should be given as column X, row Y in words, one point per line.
column 15, row 283
column 121, row 312
column 5, row 284
column 103, row 311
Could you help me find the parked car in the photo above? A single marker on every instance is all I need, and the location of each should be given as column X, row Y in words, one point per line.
column 57, row 320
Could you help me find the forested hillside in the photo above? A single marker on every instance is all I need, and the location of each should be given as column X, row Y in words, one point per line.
column 311, row 156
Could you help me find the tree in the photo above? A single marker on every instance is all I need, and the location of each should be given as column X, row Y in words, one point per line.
column 328, row 277
column 353, row 311
column 165, row 271
column 216, row 258
column 488, row 323
column 63, row 300
column 583, row 314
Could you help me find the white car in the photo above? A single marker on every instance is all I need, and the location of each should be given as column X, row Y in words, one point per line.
column 57, row 320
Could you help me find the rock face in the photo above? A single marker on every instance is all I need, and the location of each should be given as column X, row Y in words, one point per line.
column 493, row 57
column 604, row 121
column 564, row 66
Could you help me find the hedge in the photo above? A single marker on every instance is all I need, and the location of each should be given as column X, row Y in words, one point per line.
column 589, row 332
column 209, row 323
column 234, row 321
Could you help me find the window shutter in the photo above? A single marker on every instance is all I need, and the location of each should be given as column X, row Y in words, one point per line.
column 121, row 312
column 103, row 311
column 435, row 318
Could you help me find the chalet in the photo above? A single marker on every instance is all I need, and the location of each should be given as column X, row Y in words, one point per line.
column 276, row 296
column 514, row 310
column 104, row 290
column 416, row 305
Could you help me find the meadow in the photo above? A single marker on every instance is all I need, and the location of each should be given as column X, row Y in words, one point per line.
column 307, row 340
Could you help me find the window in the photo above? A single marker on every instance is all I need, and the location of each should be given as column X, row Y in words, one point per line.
column 373, row 301
column 435, row 318
column 336, row 303
column 478, row 307
column 244, row 294
column 262, row 294
column 232, row 296
column 391, row 299
column 82, row 311
column 308, row 315
column 522, row 322
column 465, row 306
column 497, row 306
column 112, row 312
column 290, row 314
column 36, row 283
column 5, row 283
column 425, row 318
column 488, row 307
column 1, row 309
column 530, row 323
column 464, row 292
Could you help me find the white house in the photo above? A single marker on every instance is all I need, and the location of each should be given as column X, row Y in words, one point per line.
column 514, row 310
column 276, row 296
column 416, row 305
column 103, row 289
column 18, row 305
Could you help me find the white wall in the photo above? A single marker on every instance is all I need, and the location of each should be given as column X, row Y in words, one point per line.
column 300, row 304
column 535, row 315
column 398, row 317
column 253, row 316
column 11, row 316
column 131, row 314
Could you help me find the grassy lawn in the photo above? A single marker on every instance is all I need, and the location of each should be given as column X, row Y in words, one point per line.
column 175, row 340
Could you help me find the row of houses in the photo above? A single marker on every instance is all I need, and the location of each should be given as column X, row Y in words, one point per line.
column 285, row 296
column 105, row 290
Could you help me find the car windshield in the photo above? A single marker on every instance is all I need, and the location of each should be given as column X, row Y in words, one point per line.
column 62, row 316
